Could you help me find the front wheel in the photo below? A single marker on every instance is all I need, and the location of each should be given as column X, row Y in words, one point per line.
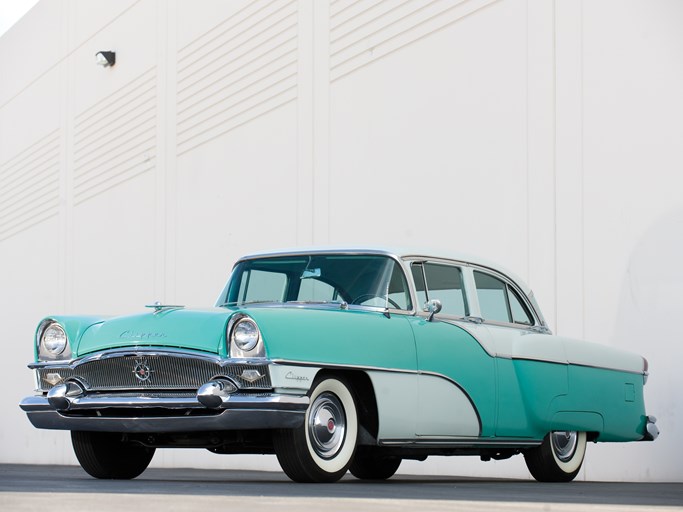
column 105, row 455
column 559, row 457
column 322, row 449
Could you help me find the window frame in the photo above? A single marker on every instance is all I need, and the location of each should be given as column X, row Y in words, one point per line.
column 509, row 285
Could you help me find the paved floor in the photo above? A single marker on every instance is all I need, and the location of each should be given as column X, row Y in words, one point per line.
column 56, row 488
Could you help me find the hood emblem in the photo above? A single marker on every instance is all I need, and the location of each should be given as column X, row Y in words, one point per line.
column 142, row 371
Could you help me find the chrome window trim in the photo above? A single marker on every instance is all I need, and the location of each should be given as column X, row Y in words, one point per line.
column 326, row 305
column 484, row 268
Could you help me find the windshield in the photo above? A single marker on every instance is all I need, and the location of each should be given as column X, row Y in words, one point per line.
column 368, row 280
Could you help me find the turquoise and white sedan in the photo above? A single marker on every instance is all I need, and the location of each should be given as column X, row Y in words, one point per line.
column 339, row 360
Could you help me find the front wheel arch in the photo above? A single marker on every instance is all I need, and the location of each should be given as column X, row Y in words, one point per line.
column 366, row 401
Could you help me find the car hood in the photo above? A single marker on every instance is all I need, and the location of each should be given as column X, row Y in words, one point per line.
column 178, row 328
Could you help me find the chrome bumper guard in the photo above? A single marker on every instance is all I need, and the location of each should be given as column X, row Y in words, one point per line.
column 651, row 429
column 68, row 409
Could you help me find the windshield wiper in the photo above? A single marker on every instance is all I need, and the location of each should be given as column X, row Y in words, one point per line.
column 248, row 302
column 310, row 302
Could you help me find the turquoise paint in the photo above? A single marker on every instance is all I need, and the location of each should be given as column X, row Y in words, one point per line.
column 513, row 397
column 540, row 385
column 74, row 326
column 449, row 350
column 512, row 419
column 577, row 420
column 617, row 396
column 570, row 397
column 178, row 328
column 347, row 337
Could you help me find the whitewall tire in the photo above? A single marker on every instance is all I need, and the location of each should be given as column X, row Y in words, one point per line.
column 323, row 448
column 558, row 458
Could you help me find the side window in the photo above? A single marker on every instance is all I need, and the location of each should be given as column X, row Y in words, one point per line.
column 444, row 282
column 492, row 294
column 399, row 294
column 499, row 302
column 418, row 279
column 520, row 314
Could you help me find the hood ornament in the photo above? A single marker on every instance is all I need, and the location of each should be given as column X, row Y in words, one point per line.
column 158, row 307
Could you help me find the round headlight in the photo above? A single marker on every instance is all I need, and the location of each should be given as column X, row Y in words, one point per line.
column 245, row 334
column 54, row 339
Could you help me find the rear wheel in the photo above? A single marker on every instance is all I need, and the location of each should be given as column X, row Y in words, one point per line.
column 559, row 457
column 105, row 455
column 322, row 449
column 370, row 464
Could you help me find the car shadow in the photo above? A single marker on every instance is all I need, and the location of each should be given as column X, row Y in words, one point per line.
column 200, row 482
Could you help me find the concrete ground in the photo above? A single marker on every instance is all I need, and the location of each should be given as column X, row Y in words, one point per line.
column 69, row 488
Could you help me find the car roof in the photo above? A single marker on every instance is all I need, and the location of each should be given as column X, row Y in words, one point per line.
column 400, row 252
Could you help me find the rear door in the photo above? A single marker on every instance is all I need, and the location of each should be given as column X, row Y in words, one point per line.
column 530, row 367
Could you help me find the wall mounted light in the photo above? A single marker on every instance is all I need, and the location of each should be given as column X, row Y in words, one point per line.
column 105, row 59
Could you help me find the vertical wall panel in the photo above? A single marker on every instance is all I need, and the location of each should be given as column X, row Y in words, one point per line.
column 435, row 144
column 569, row 167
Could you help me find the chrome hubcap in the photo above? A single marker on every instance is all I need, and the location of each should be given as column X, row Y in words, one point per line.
column 326, row 425
column 564, row 444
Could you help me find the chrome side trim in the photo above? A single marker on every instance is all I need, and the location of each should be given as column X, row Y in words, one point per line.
column 341, row 366
column 470, row 442
column 401, row 370
column 581, row 365
column 538, row 360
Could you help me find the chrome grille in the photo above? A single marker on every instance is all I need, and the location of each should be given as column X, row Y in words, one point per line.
column 160, row 372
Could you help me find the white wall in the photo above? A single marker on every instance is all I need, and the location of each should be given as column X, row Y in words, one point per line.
column 542, row 134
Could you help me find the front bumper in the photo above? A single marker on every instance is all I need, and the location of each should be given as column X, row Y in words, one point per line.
column 136, row 413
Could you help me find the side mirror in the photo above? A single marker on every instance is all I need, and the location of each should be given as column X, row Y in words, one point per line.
column 432, row 307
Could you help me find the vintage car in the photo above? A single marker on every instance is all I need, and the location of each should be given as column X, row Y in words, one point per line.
column 336, row 360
